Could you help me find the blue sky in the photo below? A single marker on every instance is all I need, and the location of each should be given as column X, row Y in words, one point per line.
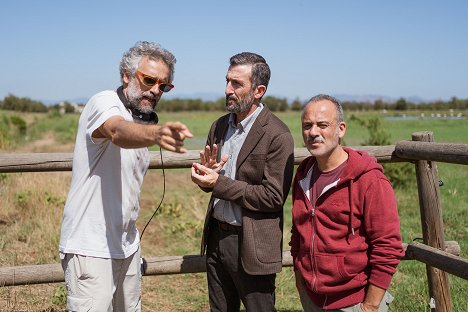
column 61, row 50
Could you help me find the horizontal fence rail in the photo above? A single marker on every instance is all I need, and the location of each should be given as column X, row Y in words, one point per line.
column 436, row 258
column 444, row 152
column 43, row 162
column 53, row 273
column 402, row 151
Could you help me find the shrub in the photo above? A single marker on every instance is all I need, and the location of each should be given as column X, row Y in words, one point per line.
column 400, row 175
column 5, row 137
column 20, row 123
column 60, row 295
column 14, row 103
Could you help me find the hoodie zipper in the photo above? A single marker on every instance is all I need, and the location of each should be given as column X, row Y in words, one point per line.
column 312, row 247
column 314, row 227
column 312, row 215
column 313, row 244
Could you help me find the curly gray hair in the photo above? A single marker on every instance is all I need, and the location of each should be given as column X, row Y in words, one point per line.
column 131, row 59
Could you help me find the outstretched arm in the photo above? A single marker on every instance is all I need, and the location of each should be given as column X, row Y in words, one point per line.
column 125, row 134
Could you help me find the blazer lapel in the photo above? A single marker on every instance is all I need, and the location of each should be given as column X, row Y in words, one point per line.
column 220, row 134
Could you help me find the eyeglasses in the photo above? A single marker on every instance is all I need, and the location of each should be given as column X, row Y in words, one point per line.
column 151, row 81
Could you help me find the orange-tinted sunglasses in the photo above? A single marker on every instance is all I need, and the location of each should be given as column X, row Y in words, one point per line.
column 151, row 81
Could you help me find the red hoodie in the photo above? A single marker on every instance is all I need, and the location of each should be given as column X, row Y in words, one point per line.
column 350, row 236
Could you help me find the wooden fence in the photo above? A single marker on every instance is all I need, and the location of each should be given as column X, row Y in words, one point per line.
column 440, row 256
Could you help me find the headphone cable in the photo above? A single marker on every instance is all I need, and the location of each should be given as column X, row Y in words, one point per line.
column 162, row 198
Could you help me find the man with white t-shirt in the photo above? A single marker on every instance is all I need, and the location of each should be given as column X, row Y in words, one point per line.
column 99, row 242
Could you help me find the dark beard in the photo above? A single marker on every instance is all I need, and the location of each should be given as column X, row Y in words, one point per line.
column 242, row 106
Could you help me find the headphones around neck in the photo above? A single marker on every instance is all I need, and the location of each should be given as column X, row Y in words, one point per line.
column 137, row 115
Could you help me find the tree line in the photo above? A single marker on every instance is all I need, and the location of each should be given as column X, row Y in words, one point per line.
column 25, row 104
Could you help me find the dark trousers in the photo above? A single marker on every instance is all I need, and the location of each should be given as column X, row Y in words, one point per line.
column 228, row 283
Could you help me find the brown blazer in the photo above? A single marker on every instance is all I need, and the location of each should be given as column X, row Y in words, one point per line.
column 263, row 178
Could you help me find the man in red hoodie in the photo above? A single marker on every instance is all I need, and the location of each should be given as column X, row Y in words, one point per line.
column 345, row 241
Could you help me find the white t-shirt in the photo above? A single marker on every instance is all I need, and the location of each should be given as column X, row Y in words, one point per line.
column 104, row 198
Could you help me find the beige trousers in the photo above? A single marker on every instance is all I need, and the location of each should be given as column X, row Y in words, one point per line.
column 98, row 284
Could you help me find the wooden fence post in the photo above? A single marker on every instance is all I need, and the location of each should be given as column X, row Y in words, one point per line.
column 432, row 226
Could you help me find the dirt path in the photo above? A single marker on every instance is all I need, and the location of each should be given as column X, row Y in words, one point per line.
column 46, row 144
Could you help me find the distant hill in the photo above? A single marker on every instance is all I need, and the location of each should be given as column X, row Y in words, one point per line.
column 77, row 100
column 370, row 98
column 205, row 96
column 213, row 96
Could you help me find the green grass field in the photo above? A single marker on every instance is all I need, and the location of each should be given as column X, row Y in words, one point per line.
column 29, row 234
column 449, row 131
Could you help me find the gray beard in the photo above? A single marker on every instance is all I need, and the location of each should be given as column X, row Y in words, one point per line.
column 135, row 99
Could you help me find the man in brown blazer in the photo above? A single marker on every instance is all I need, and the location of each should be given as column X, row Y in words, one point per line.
column 247, row 165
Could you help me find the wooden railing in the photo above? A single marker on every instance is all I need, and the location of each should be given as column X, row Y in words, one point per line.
column 440, row 256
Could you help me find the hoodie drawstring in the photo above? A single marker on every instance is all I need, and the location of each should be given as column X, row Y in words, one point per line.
column 350, row 223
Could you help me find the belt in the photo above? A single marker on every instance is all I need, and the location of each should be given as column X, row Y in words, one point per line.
column 224, row 226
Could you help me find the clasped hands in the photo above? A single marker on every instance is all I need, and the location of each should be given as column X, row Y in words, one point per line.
column 206, row 173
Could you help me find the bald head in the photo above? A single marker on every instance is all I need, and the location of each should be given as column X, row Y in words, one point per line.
column 325, row 97
column 323, row 129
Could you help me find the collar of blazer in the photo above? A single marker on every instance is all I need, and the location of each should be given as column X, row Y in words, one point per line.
column 255, row 134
